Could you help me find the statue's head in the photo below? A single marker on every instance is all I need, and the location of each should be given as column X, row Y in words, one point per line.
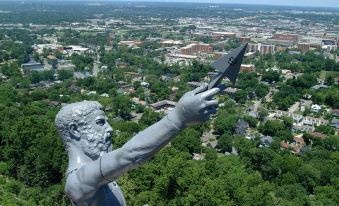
column 84, row 125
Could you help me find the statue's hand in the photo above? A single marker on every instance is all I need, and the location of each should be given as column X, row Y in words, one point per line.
column 195, row 107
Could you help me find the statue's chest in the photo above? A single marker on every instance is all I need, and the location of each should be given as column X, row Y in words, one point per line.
column 110, row 194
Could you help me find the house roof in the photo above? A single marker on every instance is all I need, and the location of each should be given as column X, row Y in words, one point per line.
column 162, row 103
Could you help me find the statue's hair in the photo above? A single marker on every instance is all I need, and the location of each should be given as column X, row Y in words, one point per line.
column 74, row 113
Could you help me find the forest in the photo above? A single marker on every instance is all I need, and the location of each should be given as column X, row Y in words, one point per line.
column 33, row 160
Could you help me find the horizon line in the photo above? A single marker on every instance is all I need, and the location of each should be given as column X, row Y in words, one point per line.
column 181, row 1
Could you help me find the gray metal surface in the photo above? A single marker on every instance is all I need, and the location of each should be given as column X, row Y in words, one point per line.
column 228, row 66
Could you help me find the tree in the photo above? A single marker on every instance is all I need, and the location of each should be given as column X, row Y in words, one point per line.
column 149, row 117
column 225, row 143
column 325, row 129
column 188, row 141
column 272, row 127
column 122, row 106
column 225, row 123
column 251, row 121
column 262, row 113
column 64, row 74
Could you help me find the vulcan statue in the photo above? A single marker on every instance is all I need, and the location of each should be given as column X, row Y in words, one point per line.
column 94, row 166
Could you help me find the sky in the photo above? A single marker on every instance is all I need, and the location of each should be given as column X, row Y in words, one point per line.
column 311, row 3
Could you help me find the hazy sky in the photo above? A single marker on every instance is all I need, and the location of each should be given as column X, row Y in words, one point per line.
column 312, row 3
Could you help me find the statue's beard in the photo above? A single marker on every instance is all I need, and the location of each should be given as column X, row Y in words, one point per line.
column 96, row 146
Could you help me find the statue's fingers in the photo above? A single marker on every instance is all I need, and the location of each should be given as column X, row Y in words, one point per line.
column 210, row 93
column 212, row 103
column 200, row 89
column 222, row 87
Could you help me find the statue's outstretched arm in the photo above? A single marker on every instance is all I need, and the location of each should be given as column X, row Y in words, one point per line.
column 193, row 108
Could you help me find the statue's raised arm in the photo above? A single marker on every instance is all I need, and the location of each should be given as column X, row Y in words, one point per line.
column 93, row 166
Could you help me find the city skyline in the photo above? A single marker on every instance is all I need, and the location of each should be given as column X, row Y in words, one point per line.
column 307, row 3
column 298, row 3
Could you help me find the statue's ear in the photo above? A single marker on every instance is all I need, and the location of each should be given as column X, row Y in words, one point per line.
column 74, row 131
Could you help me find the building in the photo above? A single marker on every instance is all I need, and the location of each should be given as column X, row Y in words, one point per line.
column 218, row 55
column 312, row 121
column 253, row 48
column 245, row 39
column 305, row 104
column 32, row 65
column 170, row 42
column 287, row 37
column 230, row 91
column 335, row 112
column 302, row 128
column 65, row 65
column 75, row 50
column 304, row 47
column 39, row 48
column 296, row 146
column 241, row 127
column 196, row 48
column 52, row 60
column 130, row 43
column 335, row 123
column 267, row 49
column 183, row 56
column 315, row 108
column 133, row 75
column 261, row 48
column 266, row 141
column 81, row 75
column 296, row 117
column 223, row 35
column 247, row 68
column 163, row 105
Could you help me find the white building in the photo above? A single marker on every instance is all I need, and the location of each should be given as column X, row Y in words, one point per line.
column 315, row 108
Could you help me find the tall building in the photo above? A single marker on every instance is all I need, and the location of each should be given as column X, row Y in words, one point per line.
column 261, row 48
column 223, row 35
column 245, row 39
column 304, row 47
column 196, row 48
column 267, row 49
column 287, row 37
column 253, row 48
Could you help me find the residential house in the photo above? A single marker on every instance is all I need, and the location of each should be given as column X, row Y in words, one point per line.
column 81, row 75
column 241, row 127
column 312, row 121
column 335, row 123
column 164, row 105
column 315, row 108
column 296, row 117
column 335, row 112
column 32, row 65
column 296, row 146
column 265, row 141
column 305, row 104
column 302, row 128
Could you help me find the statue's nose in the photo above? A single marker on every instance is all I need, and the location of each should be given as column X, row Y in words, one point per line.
column 109, row 130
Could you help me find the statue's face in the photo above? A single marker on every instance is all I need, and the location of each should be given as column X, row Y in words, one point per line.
column 95, row 135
